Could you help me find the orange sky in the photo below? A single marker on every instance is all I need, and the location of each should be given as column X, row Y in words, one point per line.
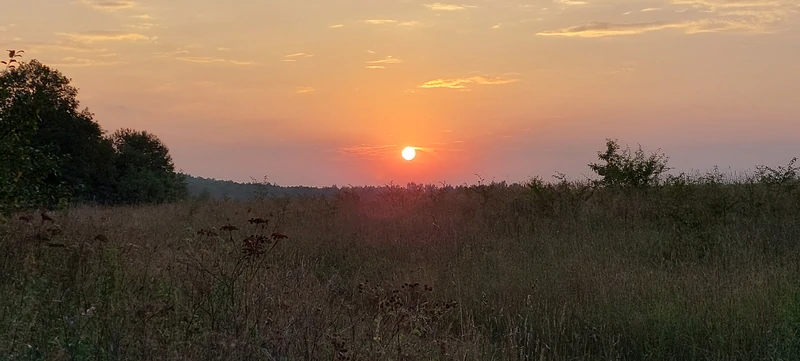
column 319, row 92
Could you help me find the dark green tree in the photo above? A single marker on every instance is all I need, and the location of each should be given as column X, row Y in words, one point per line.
column 146, row 173
column 623, row 168
column 34, row 92
column 29, row 176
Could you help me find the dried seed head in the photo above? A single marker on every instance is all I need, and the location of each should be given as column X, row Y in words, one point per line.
column 45, row 217
column 258, row 221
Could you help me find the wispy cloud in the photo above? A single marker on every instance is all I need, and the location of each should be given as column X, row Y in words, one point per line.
column 59, row 45
column 183, row 54
column 601, row 29
column 760, row 15
column 304, row 90
column 447, row 7
column 107, row 5
column 647, row 10
column 622, row 70
column 336, row 26
column 571, row 2
column 143, row 17
column 391, row 22
column 72, row 61
column 387, row 60
column 295, row 56
column 379, row 21
column 369, row 150
column 298, row 55
column 174, row 53
column 211, row 59
column 381, row 63
column 715, row 5
column 462, row 83
column 144, row 26
column 104, row 35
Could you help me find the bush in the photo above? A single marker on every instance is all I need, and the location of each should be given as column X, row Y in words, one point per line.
column 621, row 168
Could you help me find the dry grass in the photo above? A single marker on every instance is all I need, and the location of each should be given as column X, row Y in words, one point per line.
column 704, row 272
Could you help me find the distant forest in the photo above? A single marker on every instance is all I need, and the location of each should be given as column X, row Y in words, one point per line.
column 210, row 188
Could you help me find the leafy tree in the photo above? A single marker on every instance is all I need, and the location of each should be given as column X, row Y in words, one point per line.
column 146, row 173
column 33, row 92
column 29, row 176
column 621, row 168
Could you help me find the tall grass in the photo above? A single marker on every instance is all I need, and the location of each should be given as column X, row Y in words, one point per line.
column 698, row 269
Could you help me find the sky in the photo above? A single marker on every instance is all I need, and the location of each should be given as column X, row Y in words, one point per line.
column 323, row 92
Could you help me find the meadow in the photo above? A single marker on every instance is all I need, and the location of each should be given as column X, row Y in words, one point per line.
column 702, row 268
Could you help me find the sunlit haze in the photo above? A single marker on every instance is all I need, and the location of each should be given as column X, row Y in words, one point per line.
column 321, row 92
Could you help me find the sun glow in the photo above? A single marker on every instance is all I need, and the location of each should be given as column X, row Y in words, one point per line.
column 409, row 153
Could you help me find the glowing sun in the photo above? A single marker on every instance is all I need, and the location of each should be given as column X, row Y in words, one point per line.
column 409, row 153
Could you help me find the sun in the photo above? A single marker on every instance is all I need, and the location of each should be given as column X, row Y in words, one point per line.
column 409, row 153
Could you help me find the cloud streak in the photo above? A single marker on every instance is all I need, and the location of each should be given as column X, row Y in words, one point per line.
column 295, row 56
column 369, row 150
column 211, row 60
column 744, row 16
column 68, row 46
column 462, row 83
column 104, row 35
column 447, row 7
column 390, row 22
column 304, row 90
column 571, row 2
column 183, row 54
column 381, row 63
column 72, row 61
column 380, row 21
column 388, row 60
column 109, row 5
column 602, row 29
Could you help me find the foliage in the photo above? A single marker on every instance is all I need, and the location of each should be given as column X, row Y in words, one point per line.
column 621, row 168
column 54, row 152
column 211, row 188
column 30, row 175
column 62, row 129
column 145, row 169
column 780, row 175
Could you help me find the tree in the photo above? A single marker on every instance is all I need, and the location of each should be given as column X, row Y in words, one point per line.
column 33, row 92
column 146, row 173
column 28, row 175
column 623, row 169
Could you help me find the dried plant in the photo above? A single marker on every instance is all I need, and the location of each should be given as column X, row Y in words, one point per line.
column 12, row 62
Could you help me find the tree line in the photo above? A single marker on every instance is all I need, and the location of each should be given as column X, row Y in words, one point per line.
column 53, row 152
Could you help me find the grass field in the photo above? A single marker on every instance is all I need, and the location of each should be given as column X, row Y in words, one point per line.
column 699, row 271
